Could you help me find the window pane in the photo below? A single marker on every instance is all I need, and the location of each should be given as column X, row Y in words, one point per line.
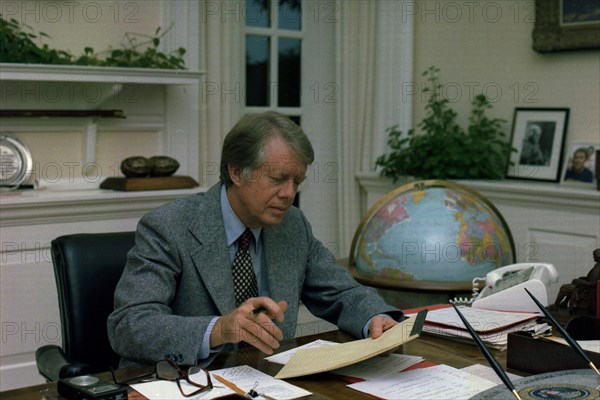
column 290, row 13
column 289, row 72
column 257, row 70
column 258, row 13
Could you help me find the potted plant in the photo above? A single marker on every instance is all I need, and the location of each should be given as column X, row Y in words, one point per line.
column 17, row 45
column 443, row 149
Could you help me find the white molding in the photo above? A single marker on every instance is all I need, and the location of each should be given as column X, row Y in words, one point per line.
column 50, row 206
column 522, row 192
column 185, row 32
column 74, row 73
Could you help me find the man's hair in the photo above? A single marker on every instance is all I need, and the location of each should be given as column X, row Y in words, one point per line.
column 244, row 145
column 584, row 151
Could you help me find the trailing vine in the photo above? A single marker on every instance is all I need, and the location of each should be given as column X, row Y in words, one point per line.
column 18, row 45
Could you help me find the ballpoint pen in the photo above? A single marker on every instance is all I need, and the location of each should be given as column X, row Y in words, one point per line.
column 572, row 342
column 258, row 310
column 489, row 357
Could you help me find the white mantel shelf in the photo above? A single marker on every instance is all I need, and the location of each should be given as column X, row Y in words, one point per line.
column 50, row 206
column 91, row 74
column 537, row 193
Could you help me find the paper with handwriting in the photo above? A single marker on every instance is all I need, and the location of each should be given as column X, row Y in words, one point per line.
column 243, row 376
column 246, row 378
column 437, row 382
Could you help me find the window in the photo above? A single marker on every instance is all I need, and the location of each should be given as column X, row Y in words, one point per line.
column 273, row 56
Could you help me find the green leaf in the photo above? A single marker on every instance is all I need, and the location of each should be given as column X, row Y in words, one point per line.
column 18, row 46
column 443, row 149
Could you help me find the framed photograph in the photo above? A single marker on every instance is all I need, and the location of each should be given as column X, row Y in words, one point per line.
column 538, row 135
column 580, row 165
column 566, row 25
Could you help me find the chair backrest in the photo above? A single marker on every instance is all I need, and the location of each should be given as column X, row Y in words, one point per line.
column 87, row 268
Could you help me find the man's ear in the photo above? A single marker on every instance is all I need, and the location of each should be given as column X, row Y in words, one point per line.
column 235, row 174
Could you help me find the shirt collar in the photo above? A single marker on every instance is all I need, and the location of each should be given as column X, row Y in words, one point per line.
column 233, row 226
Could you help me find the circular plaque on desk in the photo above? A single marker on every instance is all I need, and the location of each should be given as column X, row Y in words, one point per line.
column 15, row 162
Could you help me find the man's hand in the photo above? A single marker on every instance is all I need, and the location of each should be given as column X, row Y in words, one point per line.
column 242, row 324
column 380, row 324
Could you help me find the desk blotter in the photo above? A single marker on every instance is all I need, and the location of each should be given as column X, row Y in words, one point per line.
column 574, row 384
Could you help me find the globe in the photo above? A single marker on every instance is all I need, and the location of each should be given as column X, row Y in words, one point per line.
column 429, row 232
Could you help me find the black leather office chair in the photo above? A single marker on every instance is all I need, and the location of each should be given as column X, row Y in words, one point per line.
column 87, row 268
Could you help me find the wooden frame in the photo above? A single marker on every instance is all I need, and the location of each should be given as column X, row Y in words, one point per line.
column 538, row 135
column 559, row 26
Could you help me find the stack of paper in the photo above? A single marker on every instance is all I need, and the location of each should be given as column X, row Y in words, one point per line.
column 492, row 326
column 404, row 376
column 309, row 361
column 370, row 368
column 437, row 382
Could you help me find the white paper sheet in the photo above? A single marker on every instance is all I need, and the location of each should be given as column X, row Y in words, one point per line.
column 379, row 366
column 167, row 390
column 247, row 378
column 244, row 377
column 438, row 382
column 588, row 345
column 285, row 356
column 488, row 373
column 481, row 320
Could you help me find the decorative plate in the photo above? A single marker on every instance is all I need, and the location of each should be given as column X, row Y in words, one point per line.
column 15, row 162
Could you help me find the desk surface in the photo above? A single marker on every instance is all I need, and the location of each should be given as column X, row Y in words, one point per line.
column 324, row 386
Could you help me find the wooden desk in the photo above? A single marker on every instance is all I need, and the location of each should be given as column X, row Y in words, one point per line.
column 323, row 386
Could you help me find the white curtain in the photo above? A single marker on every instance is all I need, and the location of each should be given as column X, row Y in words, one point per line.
column 222, row 90
column 355, row 60
column 374, row 62
column 211, row 31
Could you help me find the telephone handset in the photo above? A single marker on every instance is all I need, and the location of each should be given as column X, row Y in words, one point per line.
column 505, row 287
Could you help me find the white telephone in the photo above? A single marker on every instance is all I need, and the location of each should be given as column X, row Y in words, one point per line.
column 504, row 287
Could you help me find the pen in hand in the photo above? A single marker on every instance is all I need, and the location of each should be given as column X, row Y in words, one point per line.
column 258, row 310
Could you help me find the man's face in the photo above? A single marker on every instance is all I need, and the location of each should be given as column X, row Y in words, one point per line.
column 579, row 160
column 265, row 197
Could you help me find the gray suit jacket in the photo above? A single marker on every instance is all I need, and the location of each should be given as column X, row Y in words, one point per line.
column 178, row 277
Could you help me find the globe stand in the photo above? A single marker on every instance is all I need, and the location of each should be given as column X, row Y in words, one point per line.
column 405, row 294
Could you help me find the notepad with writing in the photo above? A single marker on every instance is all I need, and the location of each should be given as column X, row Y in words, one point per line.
column 492, row 326
column 322, row 359
column 483, row 321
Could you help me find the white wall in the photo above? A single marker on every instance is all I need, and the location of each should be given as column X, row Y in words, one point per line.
column 488, row 45
column 73, row 25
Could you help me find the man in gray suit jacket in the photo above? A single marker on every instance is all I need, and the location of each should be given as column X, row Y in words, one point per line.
column 176, row 297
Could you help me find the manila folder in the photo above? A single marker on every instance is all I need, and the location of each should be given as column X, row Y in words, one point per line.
column 322, row 359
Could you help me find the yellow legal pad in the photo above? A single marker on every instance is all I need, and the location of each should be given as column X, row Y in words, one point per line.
column 323, row 359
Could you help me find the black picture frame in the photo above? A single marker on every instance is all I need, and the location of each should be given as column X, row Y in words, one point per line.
column 563, row 25
column 538, row 135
